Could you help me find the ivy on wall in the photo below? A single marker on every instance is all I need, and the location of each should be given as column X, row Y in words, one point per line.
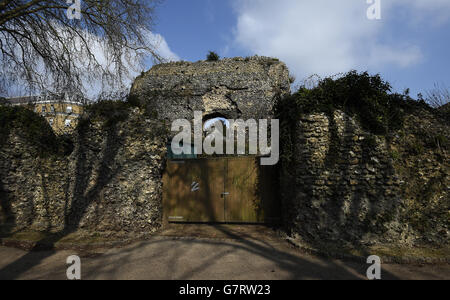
column 366, row 97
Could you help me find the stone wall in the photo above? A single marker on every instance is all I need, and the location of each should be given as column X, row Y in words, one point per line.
column 340, row 185
column 236, row 88
column 345, row 186
column 112, row 181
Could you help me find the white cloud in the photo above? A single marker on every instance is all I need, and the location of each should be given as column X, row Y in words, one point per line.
column 92, row 81
column 130, row 61
column 401, row 56
column 161, row 46
column 327, row 37
column 133, row 65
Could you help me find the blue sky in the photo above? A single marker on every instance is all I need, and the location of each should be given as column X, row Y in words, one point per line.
column 191, row 28
column 409, row 46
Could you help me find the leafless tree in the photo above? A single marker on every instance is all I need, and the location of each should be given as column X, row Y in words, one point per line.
column 438, row 96
column 45, row 49
column 309, row 82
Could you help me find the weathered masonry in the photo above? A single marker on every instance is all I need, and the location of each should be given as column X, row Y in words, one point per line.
column 234, row 88
column 337, row 183
column 202, row 189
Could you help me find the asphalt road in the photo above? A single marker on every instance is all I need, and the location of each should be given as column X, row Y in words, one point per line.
column 166, row 257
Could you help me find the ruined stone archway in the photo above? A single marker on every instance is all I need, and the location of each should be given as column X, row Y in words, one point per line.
column 215, row 188
column 236, row 88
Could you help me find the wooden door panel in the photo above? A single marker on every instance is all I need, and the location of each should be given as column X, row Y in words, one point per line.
column 243, row 203
column 193, row 191
column 175, row 190
column 208, row 199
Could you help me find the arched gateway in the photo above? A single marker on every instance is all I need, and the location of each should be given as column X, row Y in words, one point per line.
column 216, row 188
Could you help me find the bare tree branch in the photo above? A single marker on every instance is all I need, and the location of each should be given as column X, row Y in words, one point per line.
column 438, row 96
column 41, row 46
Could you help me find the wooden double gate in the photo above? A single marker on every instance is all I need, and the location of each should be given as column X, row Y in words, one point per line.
column 220, row 190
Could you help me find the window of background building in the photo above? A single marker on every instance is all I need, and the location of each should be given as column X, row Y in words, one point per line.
column 69, row 109
column 68, row 123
